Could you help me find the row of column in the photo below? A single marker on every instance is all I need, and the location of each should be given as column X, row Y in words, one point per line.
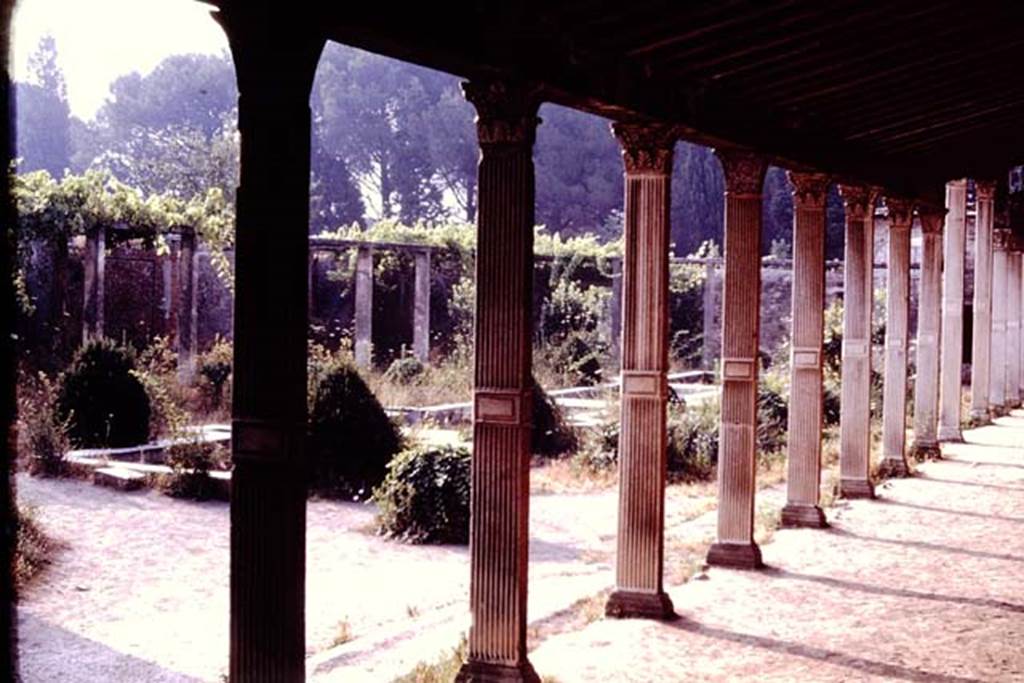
column 275, row 62
column 180, row 289
column 363, row 297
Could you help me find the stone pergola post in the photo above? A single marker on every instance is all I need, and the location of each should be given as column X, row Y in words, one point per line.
column 275, row 61
column 997, row 396
column 1013, row 329
column 639, row 590
column 708, row 318
column 952, row 344
column 615, row 312
column 187, row 312
column 982, row 324
column 897, row 310
column 737, row 452
column 803, row 484
column 858, row 300
column 364, row 307
column 421, row 306
column 94, row 286
column 498, row 546
column 926, row 382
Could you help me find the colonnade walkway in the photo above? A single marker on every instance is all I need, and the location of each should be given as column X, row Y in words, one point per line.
column 925, row 583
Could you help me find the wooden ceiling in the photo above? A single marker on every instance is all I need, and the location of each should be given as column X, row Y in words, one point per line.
column 901, row 93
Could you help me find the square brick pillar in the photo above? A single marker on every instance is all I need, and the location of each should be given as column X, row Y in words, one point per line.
column 897, row 309
column 421, row 307
column 274, row 62
column 737, row 450
column 952, row 346
column 981, row 334
column 639, row 567
column 997, row 396
column 858, row 301
column 499, row 535
column 93, row 300
column 363, row 323
column 926, row 383
column 803, row 483
column 187, row 313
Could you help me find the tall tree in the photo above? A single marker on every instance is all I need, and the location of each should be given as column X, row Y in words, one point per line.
column 43, row 116
column 697, row 206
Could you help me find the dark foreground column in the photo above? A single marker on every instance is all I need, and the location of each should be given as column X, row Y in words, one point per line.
column 929, row 304
column 951, row 382
column 647, row 154
column 499, row 533
column 737, row 451
column 858, row 278
column 803, row 483
column 274, row 61
column 897, row 309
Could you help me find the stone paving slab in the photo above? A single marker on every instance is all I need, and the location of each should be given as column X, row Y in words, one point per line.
column 923, row 584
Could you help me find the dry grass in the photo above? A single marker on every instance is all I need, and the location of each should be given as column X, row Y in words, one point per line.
column 343, row 633
column 34, row 551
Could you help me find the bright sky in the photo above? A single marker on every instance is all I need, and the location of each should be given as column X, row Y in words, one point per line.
column 99, row 40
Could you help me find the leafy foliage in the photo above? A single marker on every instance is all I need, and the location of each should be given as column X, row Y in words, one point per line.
column 351, row 438
column 191, row 463
column 43, row 430
column 425, row 496
column 552, row 435
column 405, row 370
column 102, row 397
column 34, row 549
column 215, row 373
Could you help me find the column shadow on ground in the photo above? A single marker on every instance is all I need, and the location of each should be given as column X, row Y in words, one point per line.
column 998, row 487
column 946, row 511
column 925, row 545
column 787, row 647
column 981, row 463
column 843, row 584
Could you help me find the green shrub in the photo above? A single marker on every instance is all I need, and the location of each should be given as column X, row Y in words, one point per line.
column 34, row 548
column 105, row 402
column 772, row 419
column 44, row 432
column 404, row 370
column 425, row 496
column 191, row 463
column 351, row 437
column 693, row 442
column 577, row 359
column 831, row 404
column 215, row 373
column 552, row 436
column 157, row 370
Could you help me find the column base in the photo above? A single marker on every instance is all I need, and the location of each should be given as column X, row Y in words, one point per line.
column 624, row 604
column 487, row 672
column 851, row 489
column 926, row 451
column 950, row 435
column 735, row 556
column 980, row 419
column 795, row 515
column 998, row 411
column 893, row 468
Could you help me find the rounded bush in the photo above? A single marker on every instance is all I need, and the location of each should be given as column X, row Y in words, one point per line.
column 405, row 370
column 425, row 496
column 552, row 436
column 693, row 442
column 772, row 419
column 103, row 401
column 352, row 439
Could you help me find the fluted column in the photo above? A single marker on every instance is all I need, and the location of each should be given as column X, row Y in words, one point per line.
column 897, row 309
column 737, row 450
column 997, row 358
column 803, row 484
column 929, row 304
column 952, row 346
column 421, row 307
column 274, row 63
column 647, row 155
column 981, row 341
column 506, row 125
column 858, row 301
column 1013, row 330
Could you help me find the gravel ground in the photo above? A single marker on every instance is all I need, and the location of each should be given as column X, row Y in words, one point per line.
column 923, row 584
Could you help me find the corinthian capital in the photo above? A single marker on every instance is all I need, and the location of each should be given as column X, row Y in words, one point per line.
column 901, row 213
column 985, row 189
column 859, row 201
column 646, row 147
column 810, row 190
column 506, row 112
column 744, row 171
column 931, row 219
